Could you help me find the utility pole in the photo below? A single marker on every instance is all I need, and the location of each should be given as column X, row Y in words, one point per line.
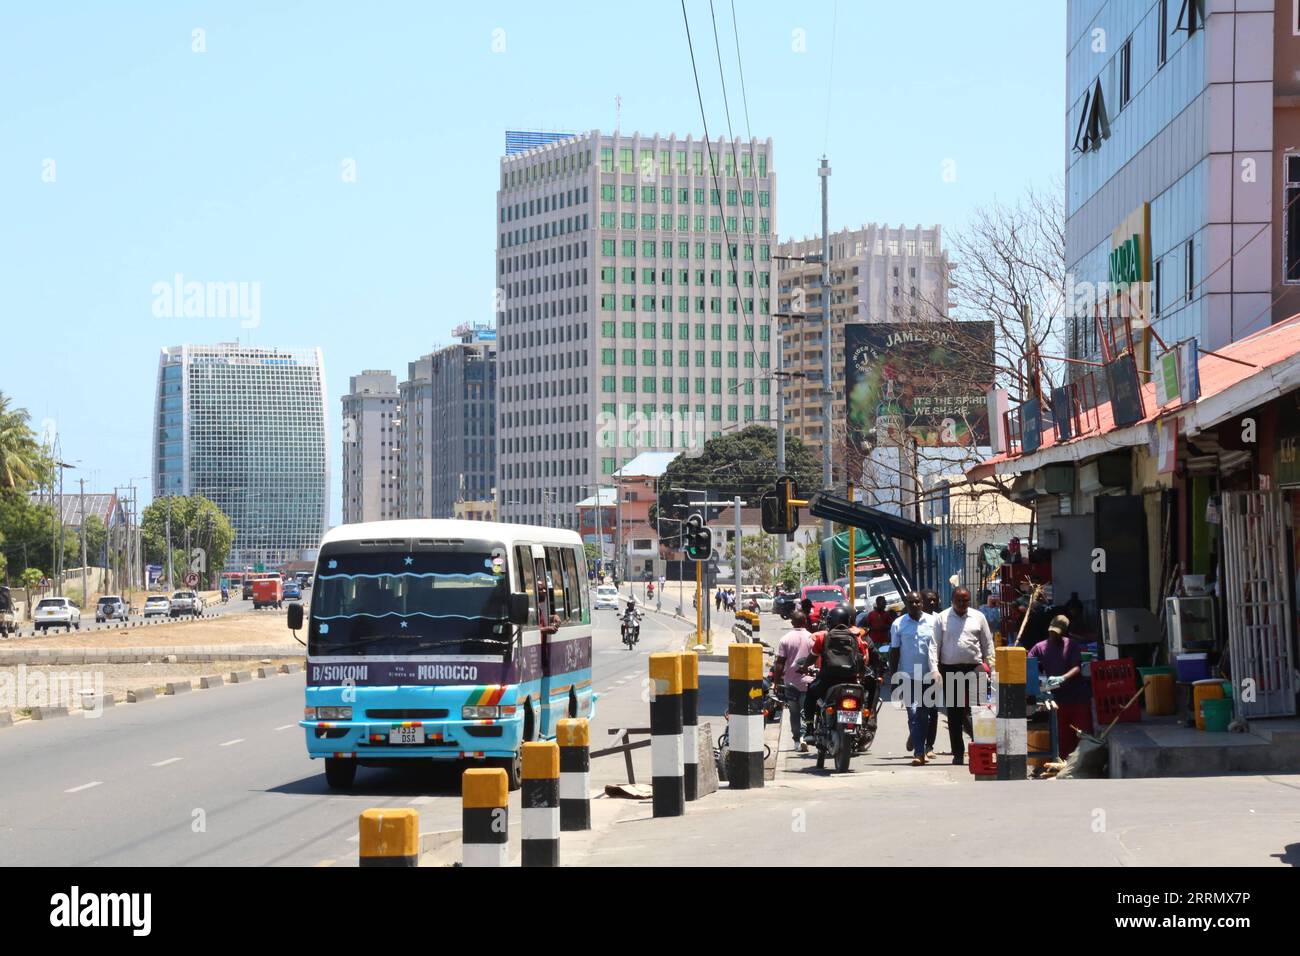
column 824, row 172
column 780, row 429
column 85, row 593
column 171, row 581
column 735, row 504
column 620, row 554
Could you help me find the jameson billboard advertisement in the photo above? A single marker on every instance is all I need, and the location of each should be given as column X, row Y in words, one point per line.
column 923, row 381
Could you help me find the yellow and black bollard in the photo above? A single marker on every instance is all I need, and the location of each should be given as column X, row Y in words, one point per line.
column 1013, row 735
column 540, row 796
column 485, row 821
column 745, row 716
column 390, row 837
column 691, row 723
column 574, row 736
column 666, row 763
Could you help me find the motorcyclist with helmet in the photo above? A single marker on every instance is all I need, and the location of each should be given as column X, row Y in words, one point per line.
column 631, row 621
column 841, row 653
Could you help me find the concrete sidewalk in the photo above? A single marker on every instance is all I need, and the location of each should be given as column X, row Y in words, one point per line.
column 884, row 811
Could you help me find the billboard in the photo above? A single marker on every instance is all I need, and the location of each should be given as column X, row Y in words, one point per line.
column 925, row 381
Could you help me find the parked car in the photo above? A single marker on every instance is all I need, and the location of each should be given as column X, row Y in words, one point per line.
column 606, row 597
column 56, row 612
column 111, row 607
column 762, row 597
column 186, row 602
column 866, row 592
column 157, row 605
column 823, row 597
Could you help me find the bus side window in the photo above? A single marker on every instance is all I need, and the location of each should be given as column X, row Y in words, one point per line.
column 555, row 570
column 571, row 585
column 524, row 562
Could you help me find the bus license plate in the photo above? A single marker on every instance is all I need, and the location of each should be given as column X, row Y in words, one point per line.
column 406, row 735
column 850, row 717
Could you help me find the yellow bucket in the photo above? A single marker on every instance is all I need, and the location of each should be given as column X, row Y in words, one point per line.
column 1039, row 740
column 1159, row 691
column 1205, row 690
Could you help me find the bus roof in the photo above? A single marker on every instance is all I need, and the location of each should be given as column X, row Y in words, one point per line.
column 507, row 534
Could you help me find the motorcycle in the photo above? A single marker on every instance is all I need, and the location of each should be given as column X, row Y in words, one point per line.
column 631, row 629
column 843, row 724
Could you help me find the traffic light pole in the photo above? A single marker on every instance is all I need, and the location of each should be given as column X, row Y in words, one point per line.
column 699, row 603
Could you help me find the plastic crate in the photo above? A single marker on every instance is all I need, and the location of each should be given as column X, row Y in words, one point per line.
column 1113, row 684
column 982, row 759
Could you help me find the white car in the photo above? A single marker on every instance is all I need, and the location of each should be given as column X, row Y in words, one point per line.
column 158, row 606
column 56, row 612
column 186, row 602
column 607, row 597
column 866, row 592
column 110, row 608
column 764, row 600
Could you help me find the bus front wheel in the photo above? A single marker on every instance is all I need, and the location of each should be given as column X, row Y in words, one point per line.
column 340, row 773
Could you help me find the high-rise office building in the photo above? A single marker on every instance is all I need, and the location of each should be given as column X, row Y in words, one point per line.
column 878, row 273
column 1182, row 161
column 448, row 426
column 245, row 427
column 371, row 424
column 633, row 278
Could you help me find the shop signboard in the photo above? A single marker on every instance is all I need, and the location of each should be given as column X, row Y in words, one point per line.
column 1167, row 378
column 1162, row 444
column 1286, row 451
column 1189, row 371
column 1125, row 391
column 1130, row 274
column 1031, row 426
column 921, row 383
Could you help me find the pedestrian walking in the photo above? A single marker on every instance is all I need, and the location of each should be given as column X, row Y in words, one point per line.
column 914, row 659
column 791, row 684
column 930, row 605
column 965, row 647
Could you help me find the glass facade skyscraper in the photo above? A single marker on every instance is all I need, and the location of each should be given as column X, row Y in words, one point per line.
column 245, row 427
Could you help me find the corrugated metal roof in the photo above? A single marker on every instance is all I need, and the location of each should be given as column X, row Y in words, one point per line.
column 96, row 504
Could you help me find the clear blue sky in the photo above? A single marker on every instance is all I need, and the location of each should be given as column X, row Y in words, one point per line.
column 226, row 165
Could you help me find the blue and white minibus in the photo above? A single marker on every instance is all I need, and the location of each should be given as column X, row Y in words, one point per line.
column 443, row 640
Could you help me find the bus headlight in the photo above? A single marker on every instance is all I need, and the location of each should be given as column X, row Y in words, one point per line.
column 487, row 713
column 331, row 713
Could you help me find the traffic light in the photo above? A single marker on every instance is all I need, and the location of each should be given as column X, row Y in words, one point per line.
column 778, row 515
column 699, row 539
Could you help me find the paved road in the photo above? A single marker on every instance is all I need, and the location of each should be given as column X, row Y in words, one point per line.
column 216, row 608
column 221, row 777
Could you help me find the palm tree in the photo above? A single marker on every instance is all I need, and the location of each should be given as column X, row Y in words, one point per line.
column 20, row 456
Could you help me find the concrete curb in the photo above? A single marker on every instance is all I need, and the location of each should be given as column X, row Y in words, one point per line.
column 178, row 687
column 241, row 677
column 48, row 713
column 196, row 654
column 212, row 680
column 137, row 694
column 265, row 672
column 290, row 668
column 6, row 719
column 96, row 703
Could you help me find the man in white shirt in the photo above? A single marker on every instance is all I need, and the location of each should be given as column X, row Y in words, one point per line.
column 965, row 646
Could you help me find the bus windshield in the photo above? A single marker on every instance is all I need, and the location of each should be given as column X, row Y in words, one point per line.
column 447, row 600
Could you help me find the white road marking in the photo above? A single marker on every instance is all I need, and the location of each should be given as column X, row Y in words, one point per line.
column 84, row 786
column 163, row 763
column 285, row 726
column 228, row 743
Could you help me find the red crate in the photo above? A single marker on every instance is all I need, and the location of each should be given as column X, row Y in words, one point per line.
column 1113, row 685
column 983, row 759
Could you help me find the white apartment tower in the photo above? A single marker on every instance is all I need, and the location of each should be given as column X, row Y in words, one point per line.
column 371, row 430
column 634, row 312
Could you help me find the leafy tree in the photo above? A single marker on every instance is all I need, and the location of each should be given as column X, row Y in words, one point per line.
column 20, row 455
column 209, row 530
column 30, row 580
column 742, row 464
column 96, row 540
column 28, row 531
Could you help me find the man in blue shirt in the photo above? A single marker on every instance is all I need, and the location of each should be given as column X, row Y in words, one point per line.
column 914, row 660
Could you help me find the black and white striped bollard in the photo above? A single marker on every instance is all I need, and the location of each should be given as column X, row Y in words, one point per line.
column 745, row 716
column 666, row 763
column 540, row 796
column 691, row 722
column 1013, row 733
column 485, row 829
column 574, row 737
